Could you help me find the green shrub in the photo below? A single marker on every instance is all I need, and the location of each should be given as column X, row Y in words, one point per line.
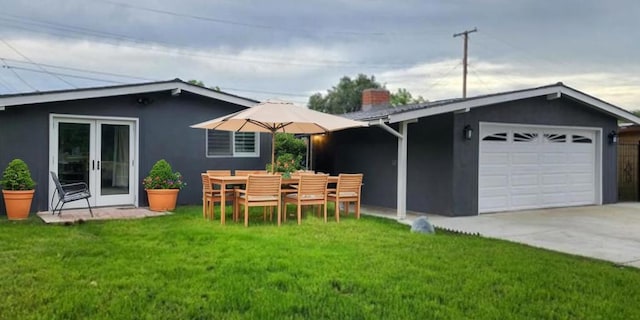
column 162, row 176
column 286, row 164
column 288, row 143
column 17, row 176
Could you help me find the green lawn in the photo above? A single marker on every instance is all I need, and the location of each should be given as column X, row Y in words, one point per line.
column 183, row 267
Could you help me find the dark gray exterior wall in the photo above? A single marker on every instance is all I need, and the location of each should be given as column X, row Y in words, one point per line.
column 536, row 111
column 442, row 174
column 164, row 133
column 373, row 151
column 430, row 165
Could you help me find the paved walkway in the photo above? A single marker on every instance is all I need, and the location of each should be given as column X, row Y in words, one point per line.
column 609, row 232
column 105, row 213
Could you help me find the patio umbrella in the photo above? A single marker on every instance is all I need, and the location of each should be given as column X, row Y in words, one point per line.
column 279, row 116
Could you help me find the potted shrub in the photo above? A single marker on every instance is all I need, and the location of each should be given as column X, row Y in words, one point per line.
column 17, row 189
column 162, row 186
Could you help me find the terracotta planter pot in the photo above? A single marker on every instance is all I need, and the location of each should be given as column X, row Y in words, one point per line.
column 162, row 199
column 17, row 203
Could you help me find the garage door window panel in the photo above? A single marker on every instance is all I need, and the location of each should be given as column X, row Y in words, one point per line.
column 580, row 139
column 555, row 138
column 501, row 136
column 524, row 137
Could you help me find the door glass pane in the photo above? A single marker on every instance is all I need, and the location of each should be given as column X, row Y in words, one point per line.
column 114, row 166
column 73, row 152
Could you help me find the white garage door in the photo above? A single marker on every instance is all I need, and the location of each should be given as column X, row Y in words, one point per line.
column 527, row 167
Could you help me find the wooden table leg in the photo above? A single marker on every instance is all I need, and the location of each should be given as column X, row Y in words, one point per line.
column 223, row 203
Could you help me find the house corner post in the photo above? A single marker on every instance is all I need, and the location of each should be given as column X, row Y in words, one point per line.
column 402, row 171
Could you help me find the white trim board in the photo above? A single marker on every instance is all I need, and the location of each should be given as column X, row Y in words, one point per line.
column 555, row 90
column 171, row 87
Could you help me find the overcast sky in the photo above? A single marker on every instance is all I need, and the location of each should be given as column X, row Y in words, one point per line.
column 292, row 49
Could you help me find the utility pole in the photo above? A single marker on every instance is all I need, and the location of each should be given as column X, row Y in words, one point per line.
column 464, row 59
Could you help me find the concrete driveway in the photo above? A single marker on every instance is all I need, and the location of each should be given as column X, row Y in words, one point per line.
column 609, row 232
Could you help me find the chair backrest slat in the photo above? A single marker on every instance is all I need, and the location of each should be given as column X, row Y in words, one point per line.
column 206, row 183
column 263, row 185
column 248, row 172
column 349, row 182
column 57, row 183
column 219, row 173
column 313, row 184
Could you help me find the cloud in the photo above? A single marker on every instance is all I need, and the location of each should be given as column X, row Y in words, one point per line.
column 298, row 48
column 443, row 80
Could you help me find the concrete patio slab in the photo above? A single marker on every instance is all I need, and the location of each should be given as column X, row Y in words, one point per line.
column 608, row 232
column 104, row 213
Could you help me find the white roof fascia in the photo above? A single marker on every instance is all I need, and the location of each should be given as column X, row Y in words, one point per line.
column 501, row 98
column 215, row 95
column 125, row 90
column 599, row 104
column 470, row 104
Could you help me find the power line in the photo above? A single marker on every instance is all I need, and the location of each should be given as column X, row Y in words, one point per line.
column 17, row 75
column 35, row 64
column 7, row 66
column 526, row 53
column 153, row 46
column 484, row 84
column 267, row 92
column 64, row 74
column 86, row 70
column 254, row 25
column 441, row 77
column 4, row 85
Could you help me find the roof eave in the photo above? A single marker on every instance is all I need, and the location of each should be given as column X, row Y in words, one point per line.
column 551, row 91
column 45, row 97
column 608, row 108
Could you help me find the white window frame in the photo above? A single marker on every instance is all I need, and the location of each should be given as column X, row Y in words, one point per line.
column 234, row 153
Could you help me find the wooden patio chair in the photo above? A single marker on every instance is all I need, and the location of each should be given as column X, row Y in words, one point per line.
column 261, row 191
column 347, row 190
column 312, row 190
column 69, row 193
column 245, row 173
column 210, row 196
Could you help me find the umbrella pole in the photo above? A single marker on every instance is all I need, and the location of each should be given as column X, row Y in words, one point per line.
column 273, row 152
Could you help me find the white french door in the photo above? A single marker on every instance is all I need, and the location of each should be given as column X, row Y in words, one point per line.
column 98, row 152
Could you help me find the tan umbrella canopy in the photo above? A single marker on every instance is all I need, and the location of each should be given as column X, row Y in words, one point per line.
column 279, row 116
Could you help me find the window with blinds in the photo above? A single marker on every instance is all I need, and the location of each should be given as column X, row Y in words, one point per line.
column 232, row 144
column 244, row 142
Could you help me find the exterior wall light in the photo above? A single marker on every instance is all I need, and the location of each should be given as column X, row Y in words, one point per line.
column 467, row 132
column 613, row 137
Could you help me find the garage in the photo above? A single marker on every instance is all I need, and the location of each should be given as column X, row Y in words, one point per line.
column 529, row 167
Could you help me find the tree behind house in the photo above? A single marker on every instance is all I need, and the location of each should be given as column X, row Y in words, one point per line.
column 346, row 96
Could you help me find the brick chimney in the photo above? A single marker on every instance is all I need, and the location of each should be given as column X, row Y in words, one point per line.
column 373, row 99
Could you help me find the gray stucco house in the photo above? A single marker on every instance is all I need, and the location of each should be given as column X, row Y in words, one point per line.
column 109, row 137
column 550, row 146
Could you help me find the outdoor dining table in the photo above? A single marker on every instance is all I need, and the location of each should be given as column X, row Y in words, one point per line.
column 224, row 181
